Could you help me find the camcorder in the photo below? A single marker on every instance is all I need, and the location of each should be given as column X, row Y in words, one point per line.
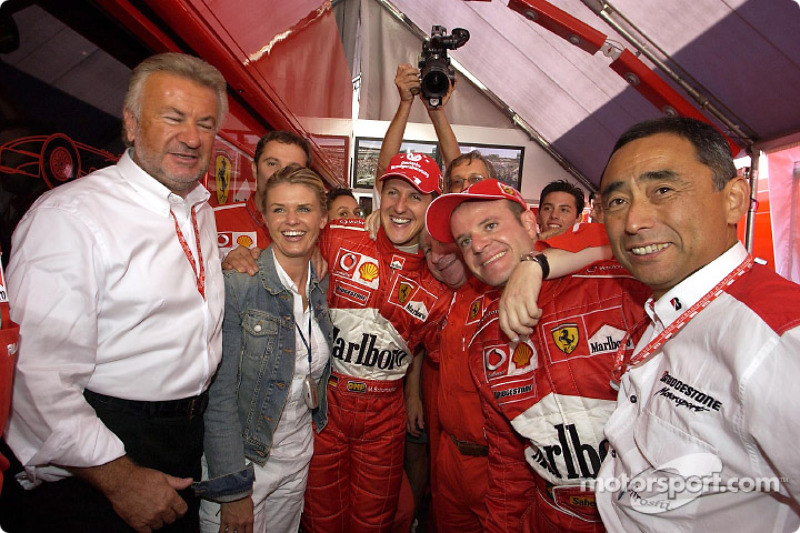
column 436, row 74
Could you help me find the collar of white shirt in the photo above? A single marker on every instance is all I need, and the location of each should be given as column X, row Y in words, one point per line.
column 685, row 294
column 151, row 193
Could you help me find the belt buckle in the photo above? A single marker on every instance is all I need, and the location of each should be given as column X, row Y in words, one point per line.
column 197, row 405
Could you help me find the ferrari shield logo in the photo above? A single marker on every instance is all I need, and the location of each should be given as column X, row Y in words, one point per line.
column 404, row 291
column 474, row 310
column 222, row 173
column 566, row 337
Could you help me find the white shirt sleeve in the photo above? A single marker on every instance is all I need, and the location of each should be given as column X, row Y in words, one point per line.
column 55, row 280
column 771, row 404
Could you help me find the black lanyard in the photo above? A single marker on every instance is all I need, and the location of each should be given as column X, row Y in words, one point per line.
column 306, row 343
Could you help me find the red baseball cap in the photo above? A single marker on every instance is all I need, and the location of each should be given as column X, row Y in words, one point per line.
column 437, row 218
column 419, row 170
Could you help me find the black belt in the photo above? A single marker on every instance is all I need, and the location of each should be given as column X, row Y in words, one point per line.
column 185, row 408
column 470, row 448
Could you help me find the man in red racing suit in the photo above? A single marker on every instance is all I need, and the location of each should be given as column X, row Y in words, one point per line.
column 383, row 301
column 462, row 464
column 555, row 386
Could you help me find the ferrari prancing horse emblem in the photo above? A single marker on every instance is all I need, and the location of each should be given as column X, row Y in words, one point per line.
column 566, row 337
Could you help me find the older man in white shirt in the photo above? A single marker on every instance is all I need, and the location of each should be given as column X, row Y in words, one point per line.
column 704, row 436
column 116, row 284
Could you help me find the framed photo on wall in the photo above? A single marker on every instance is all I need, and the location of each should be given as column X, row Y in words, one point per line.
column 335, row 149
column 366, row 160
column 507, row 160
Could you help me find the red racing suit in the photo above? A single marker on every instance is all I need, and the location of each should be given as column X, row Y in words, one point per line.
column 240, row 224
column 510, row 481
column 555, row 387
column 383, row 302
column 9, row 337
column 461, row 470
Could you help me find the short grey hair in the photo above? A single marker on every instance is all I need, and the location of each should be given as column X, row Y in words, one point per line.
column 185, row 66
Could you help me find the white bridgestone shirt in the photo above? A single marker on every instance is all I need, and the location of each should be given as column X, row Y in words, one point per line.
column 107, row 300
column 715, row 410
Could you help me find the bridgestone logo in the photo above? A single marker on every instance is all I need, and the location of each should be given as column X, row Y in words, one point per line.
column 513, row 392
column 351, row 294
column 706, row 402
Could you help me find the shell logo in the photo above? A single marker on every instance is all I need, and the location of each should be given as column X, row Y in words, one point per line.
column 245, row 241
column 368, row 271
column 508, row 190
column 522, row 355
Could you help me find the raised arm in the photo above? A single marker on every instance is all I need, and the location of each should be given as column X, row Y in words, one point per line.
column 448, row 143
column 519, row 309
column 407, row 82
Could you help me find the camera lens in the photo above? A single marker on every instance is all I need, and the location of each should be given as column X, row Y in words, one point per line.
column 435, row 83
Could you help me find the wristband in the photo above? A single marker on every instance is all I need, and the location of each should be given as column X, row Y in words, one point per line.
column 538, row 258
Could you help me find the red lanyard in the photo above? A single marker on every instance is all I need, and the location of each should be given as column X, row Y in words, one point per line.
column 201, row 275
column 620, row 363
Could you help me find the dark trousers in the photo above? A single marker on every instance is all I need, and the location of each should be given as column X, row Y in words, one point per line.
column 172, row 445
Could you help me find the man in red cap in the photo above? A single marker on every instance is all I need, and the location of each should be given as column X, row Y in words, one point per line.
column 382, row 300
column 554, row 386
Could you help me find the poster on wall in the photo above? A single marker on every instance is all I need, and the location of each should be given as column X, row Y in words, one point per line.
column 507, row 160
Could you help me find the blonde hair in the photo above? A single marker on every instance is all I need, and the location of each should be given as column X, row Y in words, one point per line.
column 295, row 175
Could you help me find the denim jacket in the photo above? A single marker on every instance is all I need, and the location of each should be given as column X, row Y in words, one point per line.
column 254, row 378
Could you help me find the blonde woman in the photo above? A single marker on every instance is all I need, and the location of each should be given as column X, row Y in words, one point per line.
column 272, row 381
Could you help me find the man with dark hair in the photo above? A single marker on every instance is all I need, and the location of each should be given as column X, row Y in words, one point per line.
column 116, row 284
column 342, row 204
column 705, row 433
column 560, row 207
column 595, row 209
column 240, row 223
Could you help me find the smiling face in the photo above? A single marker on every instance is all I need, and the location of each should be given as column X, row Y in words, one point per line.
column 295, row 217
column 403, row 211
column 174, row 135
column 664, row 217
column 443, row 261
column 557, row 213
column 492, row 238
column 344, row 207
